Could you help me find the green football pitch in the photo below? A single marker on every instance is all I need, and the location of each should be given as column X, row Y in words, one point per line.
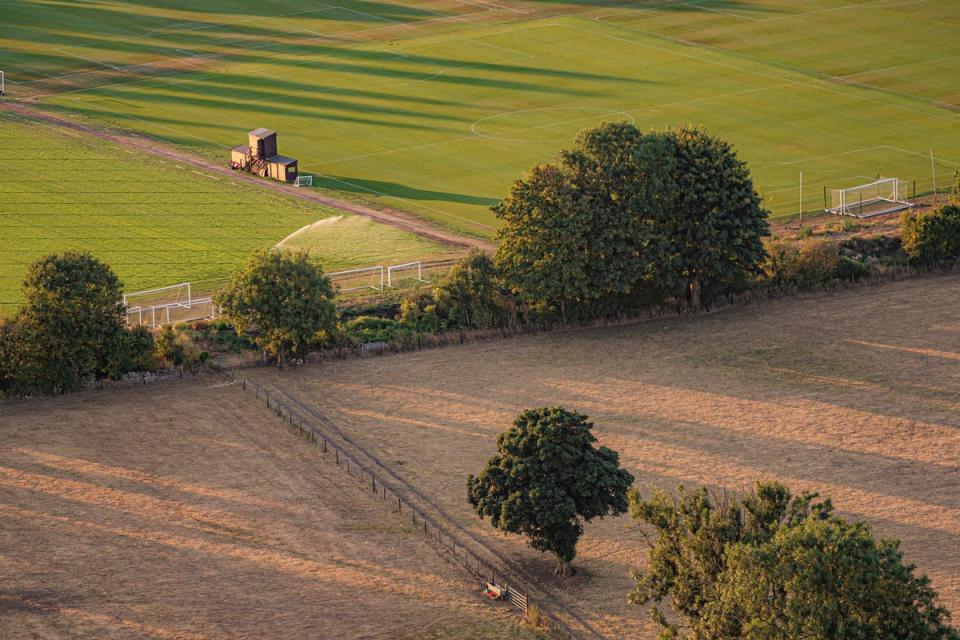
column 438, row 106
column 157, row 222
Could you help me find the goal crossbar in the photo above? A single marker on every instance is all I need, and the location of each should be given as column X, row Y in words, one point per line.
column 137, row 294
column 881, row 196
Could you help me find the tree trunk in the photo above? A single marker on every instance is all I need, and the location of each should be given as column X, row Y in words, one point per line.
column 563, row 567
column 693, row 293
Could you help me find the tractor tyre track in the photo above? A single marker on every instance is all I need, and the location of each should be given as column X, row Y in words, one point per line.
column 391, row 217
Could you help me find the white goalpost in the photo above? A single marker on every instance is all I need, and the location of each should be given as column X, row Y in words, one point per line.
column 303, row 181
column 165, row 305
column 404, row 268
column 358, row 279
column 884, row 195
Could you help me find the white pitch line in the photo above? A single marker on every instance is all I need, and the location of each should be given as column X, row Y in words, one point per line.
column 821, row 83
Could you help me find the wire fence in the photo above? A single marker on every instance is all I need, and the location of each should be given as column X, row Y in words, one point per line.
column 496, row 583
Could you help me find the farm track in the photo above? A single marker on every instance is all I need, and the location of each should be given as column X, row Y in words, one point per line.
column 391, row 217
column 552, row 599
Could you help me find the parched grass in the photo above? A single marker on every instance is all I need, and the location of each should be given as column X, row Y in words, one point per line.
column 854, row 395
column 437, row 106
column 190, row 511
column 155, row 222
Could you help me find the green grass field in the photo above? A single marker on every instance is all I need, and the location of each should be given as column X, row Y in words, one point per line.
column 438, row 106
column 155, row 222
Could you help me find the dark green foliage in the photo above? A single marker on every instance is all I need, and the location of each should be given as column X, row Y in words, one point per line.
column 850, row 270
column 547, row 479
column 467, row 298
column 71, row 322
column 585, row 227
column 878, row 250
column 715, row 219
column 283, row 299
column 11, row 357
column 216, row 335
column 669, row 213
column 367, row 330
column 771, row 566
column 130, row 350
column 175, row 350
column 932, row 238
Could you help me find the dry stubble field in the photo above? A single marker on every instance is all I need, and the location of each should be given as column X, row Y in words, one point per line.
column 188, row 511
column 855, row 395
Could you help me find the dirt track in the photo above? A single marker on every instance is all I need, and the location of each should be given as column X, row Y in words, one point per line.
column 853, row 394
column 188, row 510
column 392, row 217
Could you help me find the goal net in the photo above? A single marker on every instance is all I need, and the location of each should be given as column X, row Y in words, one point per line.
column 400, row 273
column 166, row 305
column 303, row 181
column 358, row 279
column 884, row 195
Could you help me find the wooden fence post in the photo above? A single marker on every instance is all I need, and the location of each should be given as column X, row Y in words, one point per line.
column 338, row 455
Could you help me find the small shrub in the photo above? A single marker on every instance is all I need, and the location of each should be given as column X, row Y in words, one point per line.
column 880, row 250
column 851, row 270
column 367, row 329
column 804, row 265
column 419, row 311
column 177, row 350
column 806, row 232
column 931, row 237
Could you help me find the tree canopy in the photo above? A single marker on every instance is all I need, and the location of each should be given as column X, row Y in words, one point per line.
column 547, row 478
column 283, row 299
column 72, row 320
column 622, row 213
column 771, row 566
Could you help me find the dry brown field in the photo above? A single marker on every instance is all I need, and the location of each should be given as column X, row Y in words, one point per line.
column 189, row 511
column 855, row 395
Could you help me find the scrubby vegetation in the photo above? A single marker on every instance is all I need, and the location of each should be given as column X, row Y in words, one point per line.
column 932, row 238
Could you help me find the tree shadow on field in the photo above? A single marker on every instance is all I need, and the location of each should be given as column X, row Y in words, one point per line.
column 395, row 190
column 678, row 6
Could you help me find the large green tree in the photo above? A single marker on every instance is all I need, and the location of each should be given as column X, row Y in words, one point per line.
column 546, row 479
column 71, row 322
column 585, row 227
column 624, row 213
column 283, row 299
column 771, row 566
column 715, row 219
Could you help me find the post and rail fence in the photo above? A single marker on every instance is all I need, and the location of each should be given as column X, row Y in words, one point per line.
column 495, row 582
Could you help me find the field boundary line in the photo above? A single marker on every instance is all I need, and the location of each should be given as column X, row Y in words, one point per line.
column 301, row 416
